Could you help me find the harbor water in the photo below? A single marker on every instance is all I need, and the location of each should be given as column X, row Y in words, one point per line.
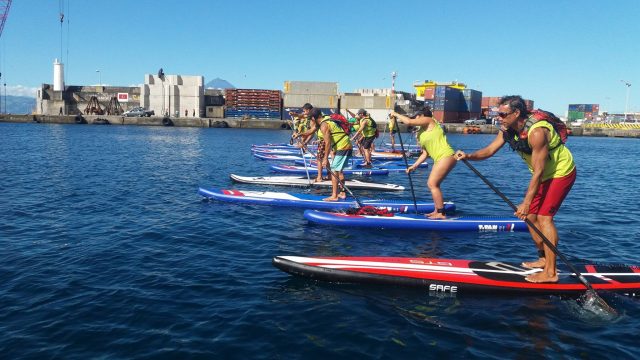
column 107, row 251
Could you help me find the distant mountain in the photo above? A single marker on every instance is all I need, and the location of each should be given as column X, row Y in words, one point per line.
column 218, row 83
column 17, row 104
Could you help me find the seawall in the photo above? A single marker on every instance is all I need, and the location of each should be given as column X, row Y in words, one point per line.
column 263, row 124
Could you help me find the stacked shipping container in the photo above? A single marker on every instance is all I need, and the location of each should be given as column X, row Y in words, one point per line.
column 253, row 103
column 488, row 103
column 583, row 111
column 322, row 95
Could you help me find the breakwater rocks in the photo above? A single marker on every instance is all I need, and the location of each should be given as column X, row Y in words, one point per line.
column 267, row 124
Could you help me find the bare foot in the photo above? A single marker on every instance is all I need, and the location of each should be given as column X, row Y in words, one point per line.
column 318, row 180
column 431, row 214
column 538, row 264
column 331, row 198
column 542, row 277
column 436, row 216
column 342, row 196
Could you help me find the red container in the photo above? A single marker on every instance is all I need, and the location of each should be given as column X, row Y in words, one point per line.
column 490, row 101
column 428, row 93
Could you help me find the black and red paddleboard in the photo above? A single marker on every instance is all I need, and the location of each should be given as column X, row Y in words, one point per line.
column 458, row 276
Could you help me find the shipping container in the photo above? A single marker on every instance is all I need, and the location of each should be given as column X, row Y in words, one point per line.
column 472, row 94
column 365, row 102
column 251, row 113
column 428, row 93
column 311, row 87
column 447, row 99
column 462, row 116
column 587, row 108
column 574, row 115
column 319, row 101
column 253, row 98
column 446, row 116
column 429, row 103
column 490, row 101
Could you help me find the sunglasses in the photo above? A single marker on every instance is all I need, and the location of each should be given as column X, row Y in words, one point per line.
column 503, row 114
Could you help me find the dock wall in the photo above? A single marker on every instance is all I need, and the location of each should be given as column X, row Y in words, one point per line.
column 263, row 124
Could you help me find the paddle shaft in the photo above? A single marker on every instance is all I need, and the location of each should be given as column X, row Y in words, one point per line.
column 404, row 155
column 532, row 226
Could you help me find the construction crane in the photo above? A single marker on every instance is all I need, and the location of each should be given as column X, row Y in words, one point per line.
column 4, row 12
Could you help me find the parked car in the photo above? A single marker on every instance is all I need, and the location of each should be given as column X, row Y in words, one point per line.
column 138, row 111
column 475, row 122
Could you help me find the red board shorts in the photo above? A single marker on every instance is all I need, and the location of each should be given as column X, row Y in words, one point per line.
column 551, row 194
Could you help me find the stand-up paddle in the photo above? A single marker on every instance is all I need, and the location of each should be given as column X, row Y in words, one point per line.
column 304, row 160
column 591, row 295
column 404, row 155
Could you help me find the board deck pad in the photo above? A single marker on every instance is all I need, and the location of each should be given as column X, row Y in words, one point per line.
column 458, row 276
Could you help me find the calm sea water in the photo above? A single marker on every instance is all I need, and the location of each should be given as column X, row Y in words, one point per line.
column 107, row 251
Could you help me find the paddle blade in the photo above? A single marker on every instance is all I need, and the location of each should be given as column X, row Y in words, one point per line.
column 593, row 303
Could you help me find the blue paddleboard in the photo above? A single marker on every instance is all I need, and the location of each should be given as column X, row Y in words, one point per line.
column 310, row 201
column 419, row 222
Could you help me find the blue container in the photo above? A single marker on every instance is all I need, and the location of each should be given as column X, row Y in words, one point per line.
column 252, row 113
column 448, row 99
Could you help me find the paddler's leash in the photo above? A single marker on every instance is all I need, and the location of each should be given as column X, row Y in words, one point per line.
column 406, row 163
column 546, row 241
column 342, row 183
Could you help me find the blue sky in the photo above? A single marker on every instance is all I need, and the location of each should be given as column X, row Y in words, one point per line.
column 554, row 52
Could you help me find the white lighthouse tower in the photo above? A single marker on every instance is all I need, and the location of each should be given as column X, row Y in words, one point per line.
column 58, row 76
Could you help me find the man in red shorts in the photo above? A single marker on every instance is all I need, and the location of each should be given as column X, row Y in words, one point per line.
column 553, row 173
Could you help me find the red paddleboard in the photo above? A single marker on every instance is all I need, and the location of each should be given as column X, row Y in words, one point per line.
column 458, row 276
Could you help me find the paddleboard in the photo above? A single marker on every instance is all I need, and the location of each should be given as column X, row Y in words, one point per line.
column 453, row 277
column 291, row 169
column 419, row 222
column 280, row 147
column 358, row 163
column 302, row 181
column 311, row 201
column 277, row 152
column 406, row 146
column 275, row 157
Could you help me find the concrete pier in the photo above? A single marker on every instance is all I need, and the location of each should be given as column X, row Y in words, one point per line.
column 264, row 124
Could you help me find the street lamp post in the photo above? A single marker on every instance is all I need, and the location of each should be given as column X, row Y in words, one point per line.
column 99, row 77
column 626, row 107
